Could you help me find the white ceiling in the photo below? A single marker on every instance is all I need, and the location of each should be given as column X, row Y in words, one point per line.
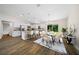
column 33, row 13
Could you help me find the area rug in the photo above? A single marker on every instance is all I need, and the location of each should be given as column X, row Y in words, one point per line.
column 56, row 47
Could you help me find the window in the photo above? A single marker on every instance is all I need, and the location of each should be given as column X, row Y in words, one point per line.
column 52, row 27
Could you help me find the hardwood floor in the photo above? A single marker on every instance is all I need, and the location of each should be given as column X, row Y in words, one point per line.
column 16, row 46
column 70, row 48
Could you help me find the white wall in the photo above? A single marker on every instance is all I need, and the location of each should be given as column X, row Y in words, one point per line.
column 73, row 21
column 1, row 29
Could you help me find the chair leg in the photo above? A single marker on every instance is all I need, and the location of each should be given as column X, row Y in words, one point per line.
column 42, row 40
column 53, row 42
column 47, row 44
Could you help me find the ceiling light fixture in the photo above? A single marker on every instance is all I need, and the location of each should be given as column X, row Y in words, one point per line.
column 22, row 14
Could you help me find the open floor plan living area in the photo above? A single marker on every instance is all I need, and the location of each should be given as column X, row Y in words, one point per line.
column 39, row 29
